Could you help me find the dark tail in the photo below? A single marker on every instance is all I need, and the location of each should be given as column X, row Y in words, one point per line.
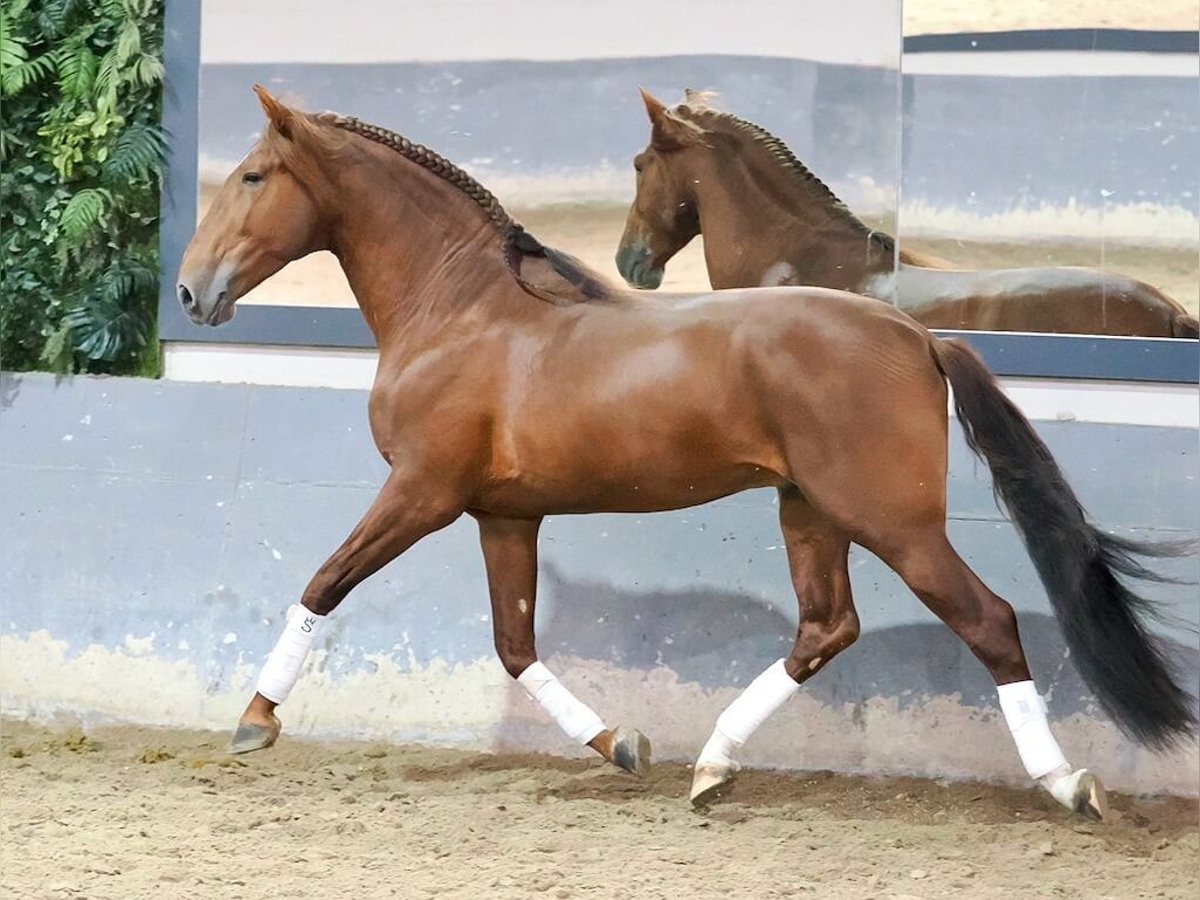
column 1103, row 621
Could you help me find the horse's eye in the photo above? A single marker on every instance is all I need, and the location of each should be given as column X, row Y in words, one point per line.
column 251, row 178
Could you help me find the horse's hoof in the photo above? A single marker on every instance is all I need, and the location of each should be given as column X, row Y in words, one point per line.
column 249, row 736
column 709, row 781
column 631, row 751
column 1090, row 799
column 1082, row 792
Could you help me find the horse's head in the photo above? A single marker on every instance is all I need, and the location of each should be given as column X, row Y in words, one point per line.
column 261, row 219
column 664, row 215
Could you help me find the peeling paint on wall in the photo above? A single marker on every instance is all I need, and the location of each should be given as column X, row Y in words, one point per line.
column 476, row 706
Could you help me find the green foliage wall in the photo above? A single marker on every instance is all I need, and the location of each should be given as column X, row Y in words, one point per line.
column 81, row 151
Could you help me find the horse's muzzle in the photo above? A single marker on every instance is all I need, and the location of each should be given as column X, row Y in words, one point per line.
column 219, row 311
column 635, row 263
column 186, row 299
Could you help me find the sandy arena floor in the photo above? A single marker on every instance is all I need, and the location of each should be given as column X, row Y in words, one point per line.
column 126, row 812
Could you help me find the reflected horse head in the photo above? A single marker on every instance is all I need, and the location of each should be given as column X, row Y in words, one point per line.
column 664, row 215
column 263, row 217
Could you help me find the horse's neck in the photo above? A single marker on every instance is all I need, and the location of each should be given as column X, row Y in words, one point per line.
column 755, row 234
column 416, row 253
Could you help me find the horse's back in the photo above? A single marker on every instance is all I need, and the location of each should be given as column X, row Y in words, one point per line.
column 717, row 371
column 1063, row 299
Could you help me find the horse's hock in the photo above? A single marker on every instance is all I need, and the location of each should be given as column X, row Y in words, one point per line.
column 659, row 620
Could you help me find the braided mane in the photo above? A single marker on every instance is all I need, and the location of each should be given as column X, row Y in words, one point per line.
column 697, row 110
column 517, row 242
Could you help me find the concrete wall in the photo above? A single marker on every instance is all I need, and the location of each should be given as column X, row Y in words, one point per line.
column 155, row 532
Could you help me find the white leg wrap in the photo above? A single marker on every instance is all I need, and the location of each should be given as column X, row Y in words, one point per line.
column 282, row 668
column 572, row 716
column 744, row 715
column 1025, row 712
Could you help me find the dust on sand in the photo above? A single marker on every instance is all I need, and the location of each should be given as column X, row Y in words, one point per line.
column 128, row 812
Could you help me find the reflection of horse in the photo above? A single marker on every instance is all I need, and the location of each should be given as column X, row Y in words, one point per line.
column 512, row 400
column 767, row 220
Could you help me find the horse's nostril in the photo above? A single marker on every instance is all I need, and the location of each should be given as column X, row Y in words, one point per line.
column 185, row 296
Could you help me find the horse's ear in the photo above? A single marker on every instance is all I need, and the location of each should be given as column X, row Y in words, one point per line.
column 655, row 108
column 666, row 132
column 279, row 115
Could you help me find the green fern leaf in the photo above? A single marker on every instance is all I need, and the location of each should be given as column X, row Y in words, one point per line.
column 114, row 9
column 18, row 78
column 129, row 41
column 136, row 9
column 16, row 8
column 52, row 19
column 115, row 322
column 12, row 52
column 77, row 71
column 108, row 77
column 147, row 71
column 83, row 211
column 121, row 286
column 137, row 154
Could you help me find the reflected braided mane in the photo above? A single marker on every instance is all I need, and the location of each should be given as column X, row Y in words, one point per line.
column 696, row 106
column 517, row 242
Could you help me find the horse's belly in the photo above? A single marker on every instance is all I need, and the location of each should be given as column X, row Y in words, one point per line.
column 634, row 456
column 642, row 488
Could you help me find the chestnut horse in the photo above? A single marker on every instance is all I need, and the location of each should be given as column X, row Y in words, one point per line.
column 513, row 384
column 767, row 220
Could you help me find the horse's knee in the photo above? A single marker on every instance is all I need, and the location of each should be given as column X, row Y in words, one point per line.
column 323, row 593
column 996, row 642
column 515, row 656
column 840, row 634
column 848, row 632
column 818, row 642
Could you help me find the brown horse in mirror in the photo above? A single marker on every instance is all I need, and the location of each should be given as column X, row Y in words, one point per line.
column 767, row 220
column 513, row 384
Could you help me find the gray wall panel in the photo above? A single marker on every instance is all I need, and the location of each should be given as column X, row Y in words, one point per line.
column 154, row 559
column 991, row 143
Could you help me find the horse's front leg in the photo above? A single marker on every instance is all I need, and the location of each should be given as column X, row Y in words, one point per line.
column 403, row 512
column 510, row 554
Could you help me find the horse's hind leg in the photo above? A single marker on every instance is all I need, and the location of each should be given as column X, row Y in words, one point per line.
column 817, row 553
column 510, row 554
column 988, row 625
column 402, row 513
